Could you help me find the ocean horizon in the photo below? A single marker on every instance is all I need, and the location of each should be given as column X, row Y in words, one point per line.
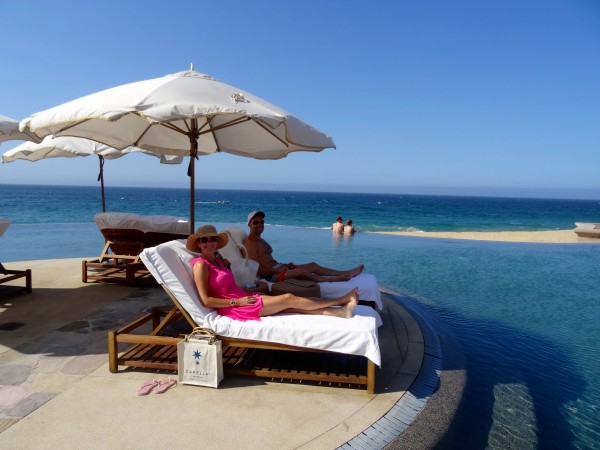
column 369, row 212
column 523, row 313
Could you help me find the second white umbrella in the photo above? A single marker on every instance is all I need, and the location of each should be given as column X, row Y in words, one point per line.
column 72, row 147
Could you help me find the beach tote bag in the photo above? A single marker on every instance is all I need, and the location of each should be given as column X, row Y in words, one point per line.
column 244, row 269
column 199, row 359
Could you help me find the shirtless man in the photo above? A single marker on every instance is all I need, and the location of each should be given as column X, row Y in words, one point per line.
column 338, row 225
column 260, row 251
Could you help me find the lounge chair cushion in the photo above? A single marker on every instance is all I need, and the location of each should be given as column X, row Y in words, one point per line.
column 165, row 224
column 117, row 220
column 586, row 226
column 368, row 288
column 155, row 223
column 237, row 234
column 234, row 249
column 170, row 264
column 357, row 336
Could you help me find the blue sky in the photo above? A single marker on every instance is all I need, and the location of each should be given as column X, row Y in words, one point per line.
column 432, row 97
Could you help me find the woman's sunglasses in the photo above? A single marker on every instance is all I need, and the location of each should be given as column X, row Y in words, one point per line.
column 257, row 222
column 205, row 239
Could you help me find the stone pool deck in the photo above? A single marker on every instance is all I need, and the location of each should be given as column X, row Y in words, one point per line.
column 56, row 390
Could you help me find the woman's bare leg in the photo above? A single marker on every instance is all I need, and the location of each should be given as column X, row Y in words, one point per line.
column 345, row 311
column 278, row 303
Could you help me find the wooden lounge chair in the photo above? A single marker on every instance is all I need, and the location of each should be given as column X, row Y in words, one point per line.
column 368, row 288
column 7, row 275
column 125, row 236
column 283, row 346
column 119, row 260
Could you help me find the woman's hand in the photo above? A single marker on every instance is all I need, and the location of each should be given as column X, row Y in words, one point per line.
column 245, row 301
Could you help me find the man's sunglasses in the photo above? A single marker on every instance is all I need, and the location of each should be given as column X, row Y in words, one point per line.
column 258, row 222
column 204, row 240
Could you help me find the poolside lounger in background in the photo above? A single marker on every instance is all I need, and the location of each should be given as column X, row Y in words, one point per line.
column 284, row 346
column 7, row 275
column 125, row 236
column 587, row 232
column 368, row 288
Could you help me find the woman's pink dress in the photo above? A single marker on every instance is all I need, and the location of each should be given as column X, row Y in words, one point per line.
column 221, row 284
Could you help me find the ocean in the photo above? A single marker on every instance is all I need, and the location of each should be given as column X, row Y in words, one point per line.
column 525, row 314
column 369, row 212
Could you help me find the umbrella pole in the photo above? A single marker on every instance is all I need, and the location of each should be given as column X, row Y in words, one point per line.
column 101, row 179
column 192, row 184
column 193, row 135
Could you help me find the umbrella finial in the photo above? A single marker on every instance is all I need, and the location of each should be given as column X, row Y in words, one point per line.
column 191, row 66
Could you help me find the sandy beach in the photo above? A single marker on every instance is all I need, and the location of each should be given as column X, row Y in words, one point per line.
column 554, row 236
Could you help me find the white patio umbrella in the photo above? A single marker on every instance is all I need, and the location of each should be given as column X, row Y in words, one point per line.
column 187, row 113
column 9, row 131
column 71, row 147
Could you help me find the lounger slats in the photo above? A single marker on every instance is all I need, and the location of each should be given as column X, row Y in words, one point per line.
column 273, row 361
column 250, row 363
column 308, row 366
column 151, row 357
column 234, row 355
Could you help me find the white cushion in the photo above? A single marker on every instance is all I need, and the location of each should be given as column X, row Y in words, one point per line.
column 231, row 252
column 368, row 288
column 169, row 264
column 156, row 223
column 237, row 234
column 117, row 220
column 234, row 250
column 165, row 224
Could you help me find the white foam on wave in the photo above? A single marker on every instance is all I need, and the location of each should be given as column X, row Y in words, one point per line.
column 216, row 202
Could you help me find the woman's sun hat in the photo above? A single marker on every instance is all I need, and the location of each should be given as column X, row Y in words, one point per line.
column 205, row 231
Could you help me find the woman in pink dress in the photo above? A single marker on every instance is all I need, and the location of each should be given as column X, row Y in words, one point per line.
column 217, row 288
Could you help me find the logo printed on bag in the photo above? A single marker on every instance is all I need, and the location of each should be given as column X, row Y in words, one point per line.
column 197, row 372
column 197, row 356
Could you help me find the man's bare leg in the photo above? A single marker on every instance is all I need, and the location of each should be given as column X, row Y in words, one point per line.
column 302, row 274
column 325, row 271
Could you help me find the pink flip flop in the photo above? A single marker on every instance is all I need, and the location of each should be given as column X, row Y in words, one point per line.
column 147, row 387
column 165, row 384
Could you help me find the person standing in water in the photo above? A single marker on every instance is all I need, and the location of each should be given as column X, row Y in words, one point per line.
column 349, row 229
column 338, row 225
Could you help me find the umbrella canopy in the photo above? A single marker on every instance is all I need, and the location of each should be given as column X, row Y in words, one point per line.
column 9, row 131
column 187, row 113
column 71, row 147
